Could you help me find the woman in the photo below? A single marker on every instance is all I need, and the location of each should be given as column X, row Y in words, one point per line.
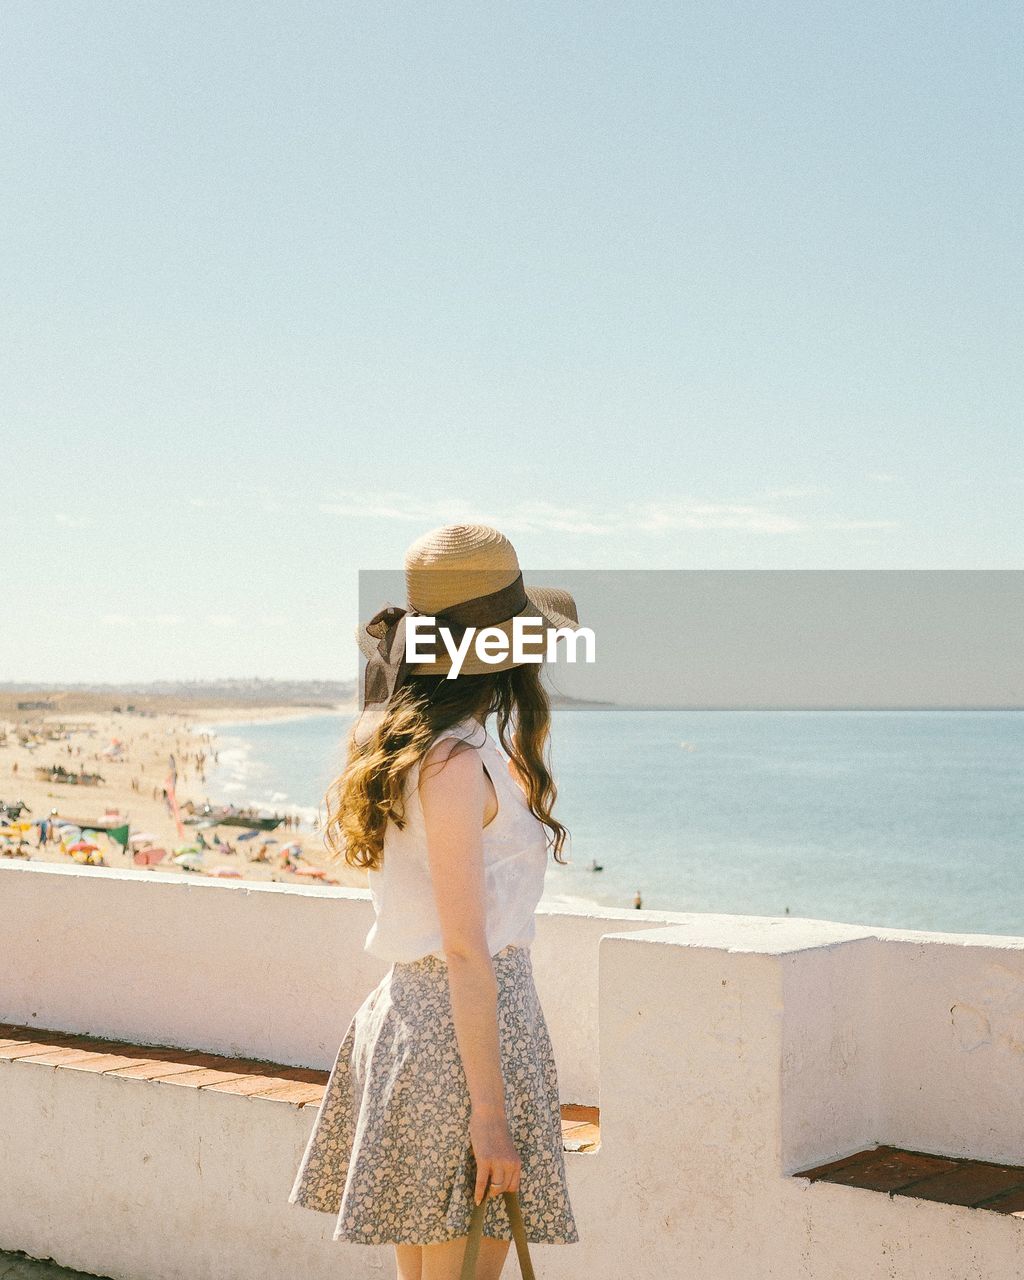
column 444, row 1090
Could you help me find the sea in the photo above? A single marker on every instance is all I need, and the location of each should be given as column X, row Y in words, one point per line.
column 906, row 819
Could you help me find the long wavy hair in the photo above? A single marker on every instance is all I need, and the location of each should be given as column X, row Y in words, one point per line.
column 369, row 792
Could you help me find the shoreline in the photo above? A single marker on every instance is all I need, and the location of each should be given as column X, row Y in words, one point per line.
column 226, row 738
column 132, row 790
column 217, row 717
column 132, row 785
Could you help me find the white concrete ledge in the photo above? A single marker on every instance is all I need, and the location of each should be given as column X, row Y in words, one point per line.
column 253, row 970
column 725, row 1053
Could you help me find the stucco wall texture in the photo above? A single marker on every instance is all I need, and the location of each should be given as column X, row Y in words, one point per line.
column 725, row 1053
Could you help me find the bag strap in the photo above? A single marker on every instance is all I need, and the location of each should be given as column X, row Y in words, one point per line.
column 476, row 1230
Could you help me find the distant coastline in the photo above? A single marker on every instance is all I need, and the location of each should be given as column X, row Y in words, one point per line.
column 262, row 699
column 177, row 697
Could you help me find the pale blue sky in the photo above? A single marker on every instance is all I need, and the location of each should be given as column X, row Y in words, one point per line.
column 672, row 286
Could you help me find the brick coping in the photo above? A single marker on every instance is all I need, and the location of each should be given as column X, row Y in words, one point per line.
column 192, row 1068
column 899, row 1171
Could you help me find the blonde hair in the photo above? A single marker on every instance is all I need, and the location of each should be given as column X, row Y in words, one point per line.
column 370, row 790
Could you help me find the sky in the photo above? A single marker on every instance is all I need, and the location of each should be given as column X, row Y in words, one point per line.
column 673, row 286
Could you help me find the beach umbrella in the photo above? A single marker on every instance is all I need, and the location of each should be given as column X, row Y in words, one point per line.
column 80, row 846
column 189, row 861
column 86, row 856
column 188, row 848
column 143, row 837
column 148, row 857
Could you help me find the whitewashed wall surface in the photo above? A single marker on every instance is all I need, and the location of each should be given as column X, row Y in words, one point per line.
column 725, row 1053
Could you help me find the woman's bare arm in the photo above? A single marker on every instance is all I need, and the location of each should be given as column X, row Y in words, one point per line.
column 454, row 799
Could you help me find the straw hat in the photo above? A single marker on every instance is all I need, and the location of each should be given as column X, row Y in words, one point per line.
column 469, row 572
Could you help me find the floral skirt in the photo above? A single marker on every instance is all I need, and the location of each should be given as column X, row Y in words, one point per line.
column 390, row 1153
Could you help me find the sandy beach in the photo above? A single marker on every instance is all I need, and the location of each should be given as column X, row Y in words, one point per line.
column 80, row 738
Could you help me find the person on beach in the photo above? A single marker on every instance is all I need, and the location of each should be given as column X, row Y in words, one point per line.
column 444, row 1092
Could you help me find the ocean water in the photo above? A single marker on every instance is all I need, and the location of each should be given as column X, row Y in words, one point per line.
column 910, row 819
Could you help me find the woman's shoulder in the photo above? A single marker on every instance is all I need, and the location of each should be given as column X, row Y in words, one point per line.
column 448, row 742
column 468, row 731
column 442, row 744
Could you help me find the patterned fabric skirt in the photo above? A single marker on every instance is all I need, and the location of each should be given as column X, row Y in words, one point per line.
column 390, row 1155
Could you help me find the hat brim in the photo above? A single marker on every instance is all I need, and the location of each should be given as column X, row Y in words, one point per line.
column 554, row 606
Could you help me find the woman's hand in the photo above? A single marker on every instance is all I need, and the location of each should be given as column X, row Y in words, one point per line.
column 496, row 1157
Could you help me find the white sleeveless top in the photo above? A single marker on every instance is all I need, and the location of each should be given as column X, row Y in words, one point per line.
column 515, row 855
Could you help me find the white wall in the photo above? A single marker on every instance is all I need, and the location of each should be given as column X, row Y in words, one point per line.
column 257, row 970
column 724, row 1051
column 737, row 1050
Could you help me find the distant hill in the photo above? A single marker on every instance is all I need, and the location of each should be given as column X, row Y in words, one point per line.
column 164, row 695
column 156, row 695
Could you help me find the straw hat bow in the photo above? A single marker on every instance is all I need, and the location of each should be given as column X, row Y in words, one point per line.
column 464, row 575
